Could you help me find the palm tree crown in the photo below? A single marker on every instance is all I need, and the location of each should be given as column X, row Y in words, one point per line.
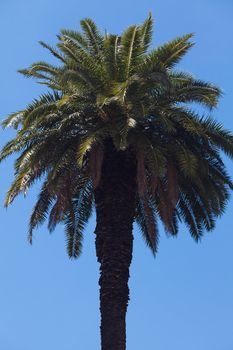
column 110, row 87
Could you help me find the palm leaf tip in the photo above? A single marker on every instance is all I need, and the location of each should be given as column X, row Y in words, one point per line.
column 13, row 120
column 147, row 222
column 52, row 50
column 92, row 35
column 30, row 237
column 147, row 31
column 173, row 51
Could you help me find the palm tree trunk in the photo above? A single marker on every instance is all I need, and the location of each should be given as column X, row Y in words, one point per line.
column 115, row 208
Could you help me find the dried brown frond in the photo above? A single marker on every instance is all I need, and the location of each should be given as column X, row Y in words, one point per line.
column 95, row 163
column 164, row 206
column 172, row 185
column 154, row 180
column 141, row 174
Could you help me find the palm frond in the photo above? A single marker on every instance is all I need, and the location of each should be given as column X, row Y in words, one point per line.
column 172, row 52
column 76, row 37
column 40, row 210
column 112, row 48
column 147, row 32
column 146, row 220
column 76, row 218
column 131, row 50
column 13, row 120
column 92, row 35
column 53, row 51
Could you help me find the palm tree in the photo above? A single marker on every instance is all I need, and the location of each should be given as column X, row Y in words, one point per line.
column 116, row 131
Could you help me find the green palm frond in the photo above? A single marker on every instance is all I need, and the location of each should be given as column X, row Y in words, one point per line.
column 87, row 142
column 131, row 49
column 92, row 35
column 146, row 220
column 218, row 135
column 153, row 73
column 45, row 101
column 186, row 213
column 13, row 120
column 188, row 162
column 185, row 89
column 112, row 59
column 77, row 38
column 41, row 70
column 53, row 51
column 40, row 210
column 173, row 51
column 76, row 219
column 147, row 32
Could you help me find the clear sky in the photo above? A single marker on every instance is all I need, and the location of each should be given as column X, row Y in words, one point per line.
column 181, row 300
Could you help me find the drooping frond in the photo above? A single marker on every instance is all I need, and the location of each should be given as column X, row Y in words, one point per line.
column 47, row 100
column 76, row 218
column 218, row 136
column 13, row 120
column 146, row 220
column 186, row 88
column 40, row 210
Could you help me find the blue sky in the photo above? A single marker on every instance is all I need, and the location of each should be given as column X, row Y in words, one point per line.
column 183, row 299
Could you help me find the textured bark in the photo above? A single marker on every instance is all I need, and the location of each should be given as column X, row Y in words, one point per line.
column 115, row 209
